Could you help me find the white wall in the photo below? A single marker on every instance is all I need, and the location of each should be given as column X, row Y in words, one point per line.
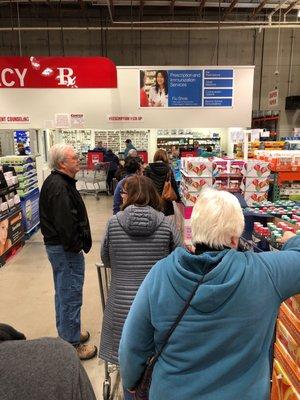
column 41, row 105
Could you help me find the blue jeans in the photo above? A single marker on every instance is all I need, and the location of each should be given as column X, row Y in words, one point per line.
column 68, row 275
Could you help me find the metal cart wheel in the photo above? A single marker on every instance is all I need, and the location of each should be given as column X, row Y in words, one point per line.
column 106, row 389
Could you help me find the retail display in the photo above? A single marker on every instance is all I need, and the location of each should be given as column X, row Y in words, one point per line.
column 12, row 233
column 25, row 168
column 115, row 139
column 80, row 139
column 24, row 138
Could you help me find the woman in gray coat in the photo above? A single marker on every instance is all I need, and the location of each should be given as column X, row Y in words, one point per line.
column 135, row 239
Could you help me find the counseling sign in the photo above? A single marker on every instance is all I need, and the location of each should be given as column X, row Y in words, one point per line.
column 206, row 88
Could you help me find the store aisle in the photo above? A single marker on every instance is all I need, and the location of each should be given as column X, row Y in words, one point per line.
column 27, row 293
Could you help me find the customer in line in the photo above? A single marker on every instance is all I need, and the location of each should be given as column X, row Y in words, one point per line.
column 129, row 146
column 66, row 230
column 45, row 368
column 131, row 167
column 159, row 171
column 135, row 239
column 220, row 348
column 113, row 160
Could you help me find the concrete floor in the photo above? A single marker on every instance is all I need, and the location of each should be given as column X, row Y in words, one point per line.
column 27, row 292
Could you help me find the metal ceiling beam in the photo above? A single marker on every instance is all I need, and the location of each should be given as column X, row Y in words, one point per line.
column 279, row 6
column 164, row 3
column 259, row 8
column 230, row 8
column 152, row 28
column 201, row 7
column 290, row 8
column 172, row 6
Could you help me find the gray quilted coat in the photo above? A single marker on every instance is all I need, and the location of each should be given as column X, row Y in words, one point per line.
column 135, row 240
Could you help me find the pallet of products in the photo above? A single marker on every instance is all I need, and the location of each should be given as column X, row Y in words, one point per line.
column 281, row 217
column 25, row 168
column 251, row 179
column 12, row 232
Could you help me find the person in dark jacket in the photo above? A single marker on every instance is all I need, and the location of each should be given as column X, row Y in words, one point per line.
column 220, row 348
column 113, row 166
column 158, row 172
column 132, row 166
column 45, row 368
column 66, row 230
column 135, row 239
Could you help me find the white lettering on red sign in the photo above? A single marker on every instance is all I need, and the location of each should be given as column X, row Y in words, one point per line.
column 9, row 76
column 65, row 77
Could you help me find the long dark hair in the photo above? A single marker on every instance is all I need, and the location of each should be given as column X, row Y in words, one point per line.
column 141, row 192
column 142, row 76
column 165, row 76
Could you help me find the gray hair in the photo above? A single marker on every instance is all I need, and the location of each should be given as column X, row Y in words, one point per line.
column 217, row 217
column 131, row 152
column 57, row 154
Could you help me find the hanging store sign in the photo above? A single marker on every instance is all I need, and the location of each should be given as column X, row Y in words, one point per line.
column 208, row 88
column 273, row 98
column 57, row 73
column 14, row 119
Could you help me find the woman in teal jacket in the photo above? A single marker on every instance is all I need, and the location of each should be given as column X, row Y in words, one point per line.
column 220, row 348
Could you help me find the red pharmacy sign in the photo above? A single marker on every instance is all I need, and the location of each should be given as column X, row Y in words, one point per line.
column 57, row 73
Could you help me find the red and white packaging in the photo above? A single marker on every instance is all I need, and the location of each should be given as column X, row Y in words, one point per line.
column 256, row 185
column 257, row 168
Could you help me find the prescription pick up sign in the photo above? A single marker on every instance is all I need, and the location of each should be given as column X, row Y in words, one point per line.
column 206, row 88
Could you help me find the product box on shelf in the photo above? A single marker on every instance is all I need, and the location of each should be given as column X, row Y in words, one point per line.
column 255, row 197
column 197, row 166
column 227, row 167
column 257, row 185
column 189, row 199
column 289, row 365
column 290, row 321
column 195, row 184
column 288, row 341
column 257, row 169
column 282, row 387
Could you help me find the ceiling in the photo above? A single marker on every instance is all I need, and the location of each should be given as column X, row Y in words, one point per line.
column 151, row 14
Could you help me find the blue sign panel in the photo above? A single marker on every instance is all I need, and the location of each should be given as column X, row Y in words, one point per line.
column 219, row 83
column 217, row 102
column 218, row 93
column 185, row 88
column 218, row 73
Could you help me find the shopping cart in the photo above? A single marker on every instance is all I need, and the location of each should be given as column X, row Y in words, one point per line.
column 91, row 179
column 104, row 278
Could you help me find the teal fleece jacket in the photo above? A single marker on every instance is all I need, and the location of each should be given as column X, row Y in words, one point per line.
column 220, row 349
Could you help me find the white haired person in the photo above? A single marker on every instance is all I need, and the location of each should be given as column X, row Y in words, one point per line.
column 66, row 230
column 227, row 302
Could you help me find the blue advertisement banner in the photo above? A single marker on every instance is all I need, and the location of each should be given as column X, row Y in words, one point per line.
column 217, row 92
column 30, row 210
column 185, row 88
column 218, row 83
column 217, row 102
column 218, row 73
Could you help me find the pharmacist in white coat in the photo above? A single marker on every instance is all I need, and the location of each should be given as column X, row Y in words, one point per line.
column 158, row 94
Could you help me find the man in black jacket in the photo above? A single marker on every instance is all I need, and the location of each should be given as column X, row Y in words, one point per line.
column 66, row 230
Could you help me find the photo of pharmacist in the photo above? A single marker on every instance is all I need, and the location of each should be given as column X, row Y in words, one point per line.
column 158, row 94
column 144, row 100
column 5, row 236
